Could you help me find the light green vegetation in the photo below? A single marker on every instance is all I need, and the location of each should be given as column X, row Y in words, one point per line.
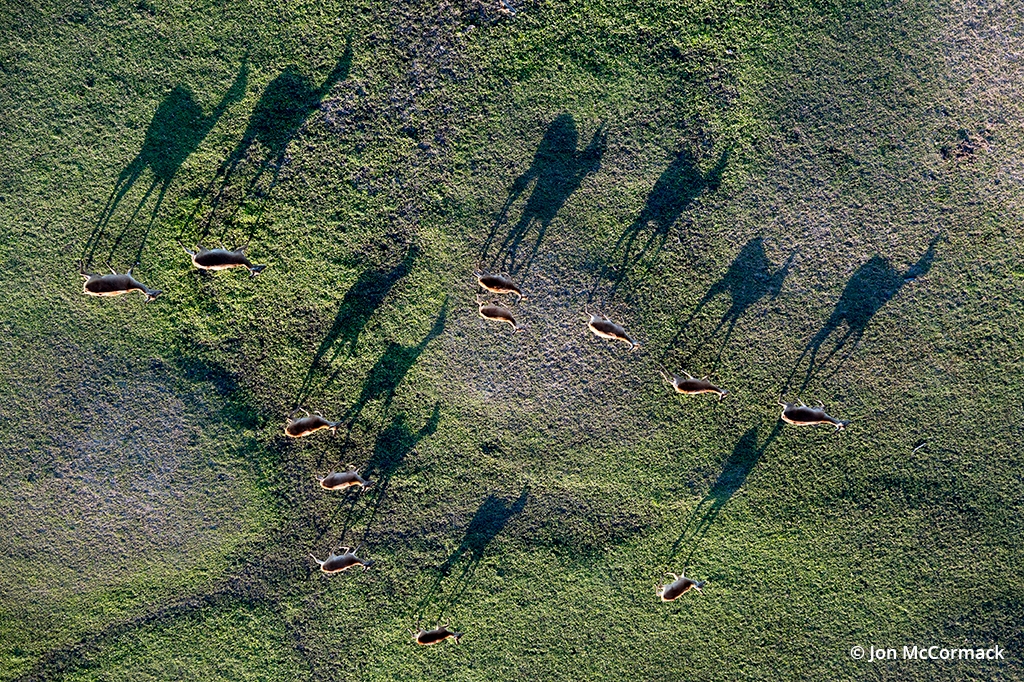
column 814, row 199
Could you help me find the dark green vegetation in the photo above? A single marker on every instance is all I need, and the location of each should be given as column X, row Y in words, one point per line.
column 797, row 197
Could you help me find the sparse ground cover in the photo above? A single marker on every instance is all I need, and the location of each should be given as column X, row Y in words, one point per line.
column 816, row 199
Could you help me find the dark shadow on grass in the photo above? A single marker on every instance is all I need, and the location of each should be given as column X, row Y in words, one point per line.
column 490, row 518
column 358, row 305
column 750, row 277
column 741, row 462
column 385, row 376
column 389, row 452
column 177, row 129
column 285, row 105
column 675, row 190
column 873, row 285
column 558, row 170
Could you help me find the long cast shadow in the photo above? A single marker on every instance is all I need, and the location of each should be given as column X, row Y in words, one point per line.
column 871, row 287
column 741, row 462
column 389, row 371
column 285, row 105
column 675, row 190
column 490, row 518
column 389, row 451
column 358, row 305
column 750, row 278
column 177, row 129
column 558, row 170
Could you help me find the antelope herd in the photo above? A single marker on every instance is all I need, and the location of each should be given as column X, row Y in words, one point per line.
column 114, row 284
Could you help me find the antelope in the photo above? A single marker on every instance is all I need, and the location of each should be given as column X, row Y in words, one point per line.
column 344, row 479
column 428, row 637
column 497, row 284
column 297, row 428
column 691, row 386
column 799, row 414
column 606, row 329
column 336, row 563
column 114, row 284
column 222, row 259
column 679, row 586
column 498, row 314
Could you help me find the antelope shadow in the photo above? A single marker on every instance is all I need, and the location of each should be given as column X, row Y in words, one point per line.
column 389, row 451
column 750, row 278
column 389, row 371
column 357, row 306
column 178, row 127
column 285, row 105
column 673, row 193
column 742, row 460
column 558, row 170
column 872, row 286
column 490, row 519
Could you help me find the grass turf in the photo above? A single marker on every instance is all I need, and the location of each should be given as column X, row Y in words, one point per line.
column 811, row 198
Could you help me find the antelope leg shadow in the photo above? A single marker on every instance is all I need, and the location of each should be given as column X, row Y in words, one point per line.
column 384, row 377
column 744, row 457
column 673, row 193
column 490, row 518
column 750, row 278
column 356, row 309
column 557, row 171
column 178, row 127
column 872, row 286
column 286, row 103
column 389, row 452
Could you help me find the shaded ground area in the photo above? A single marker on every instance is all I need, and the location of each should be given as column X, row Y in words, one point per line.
column 675, row 190
column 177, row 129
column 872, row 286
column 119, row 485
column 357, row 306
column 750, row 278
column 558, row 169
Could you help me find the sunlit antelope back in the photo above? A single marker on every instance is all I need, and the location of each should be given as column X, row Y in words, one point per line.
column 311, row 423
column 497, row 284
column 435, row 636
column 799, row 414
column 495, row 312
column 223, row 259
column 115, row 284
column 679, row 586
column 692, row 386
column 341, row 480
column 336, row 563
column 606, row 329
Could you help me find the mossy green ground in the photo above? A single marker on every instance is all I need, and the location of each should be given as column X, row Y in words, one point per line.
column 799, row 198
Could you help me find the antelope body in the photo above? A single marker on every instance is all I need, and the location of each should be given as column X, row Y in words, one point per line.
column 340, row 480
column 799, row 414
column 606, row 329
column 336, row 563
column 679, row 586
column 428, row 637
column 297, row 428
column 115, row 284
column 222, row 259
column 497, row 284
column 692, row 386
column 495, row 312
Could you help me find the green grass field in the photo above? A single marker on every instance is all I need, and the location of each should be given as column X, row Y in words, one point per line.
column 799, row 198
